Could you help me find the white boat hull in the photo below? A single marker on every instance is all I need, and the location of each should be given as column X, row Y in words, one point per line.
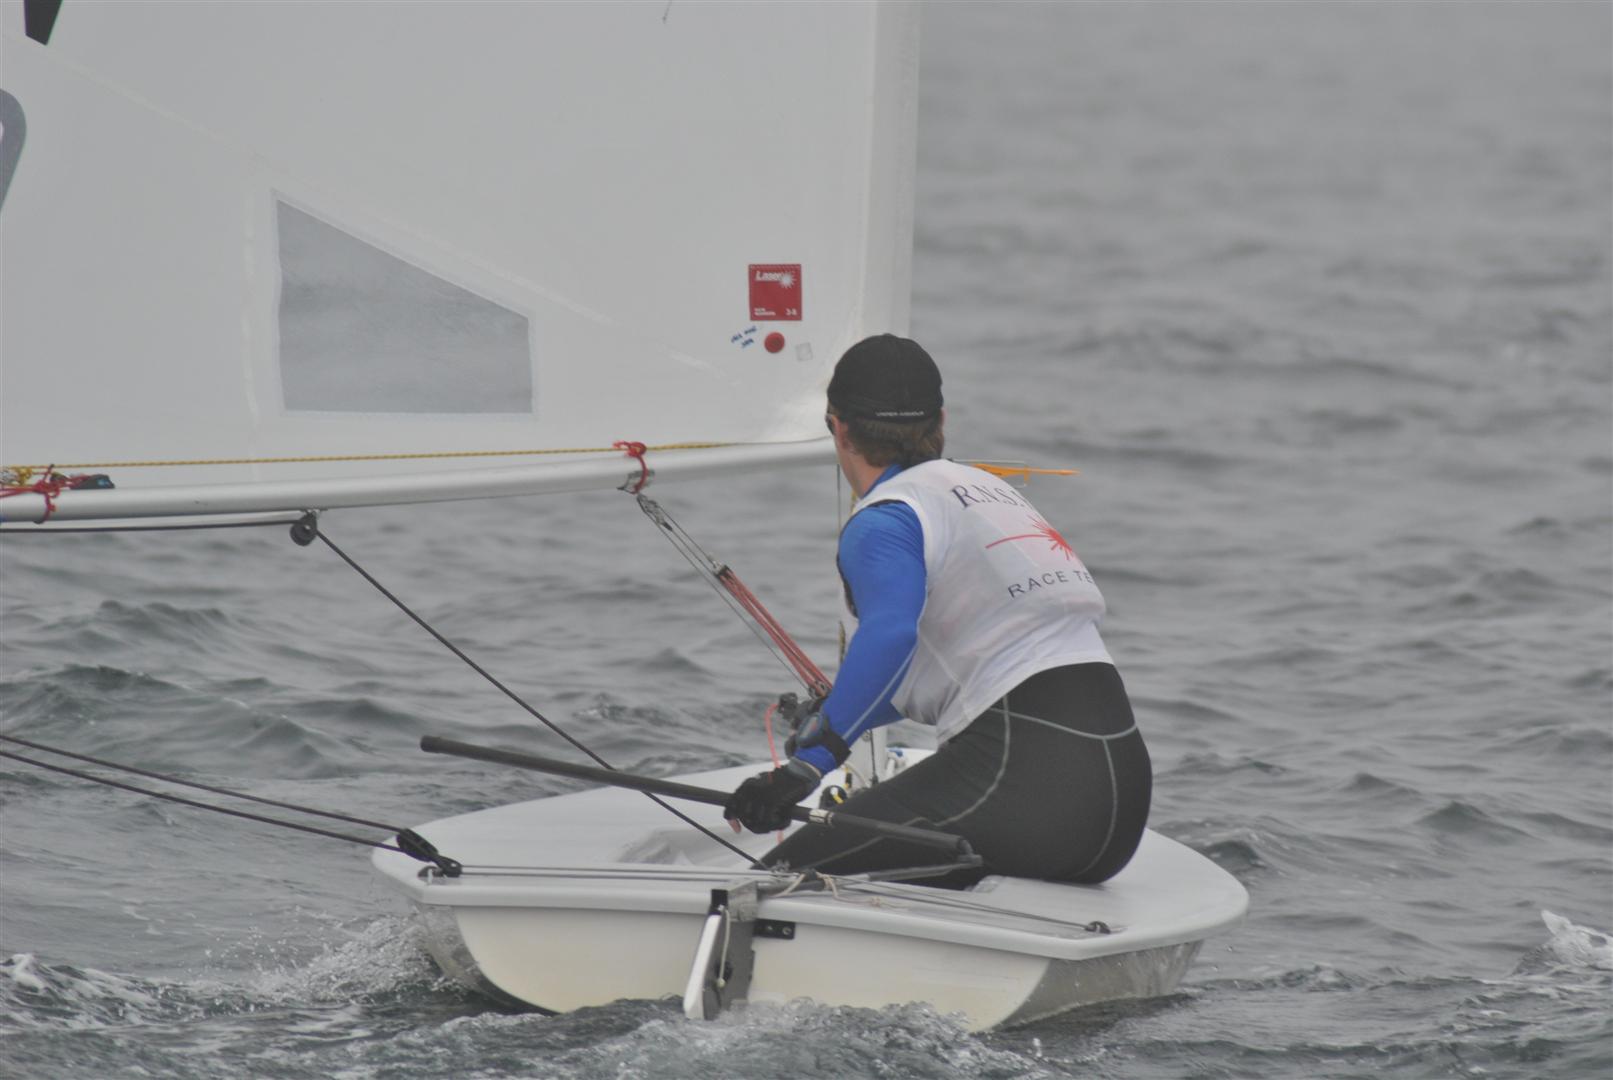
column 573, row 931
column 557, row 961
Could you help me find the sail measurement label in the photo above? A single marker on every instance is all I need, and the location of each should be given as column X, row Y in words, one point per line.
column 775, row 292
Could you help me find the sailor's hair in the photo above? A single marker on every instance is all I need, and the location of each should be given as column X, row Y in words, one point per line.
column 882, row 442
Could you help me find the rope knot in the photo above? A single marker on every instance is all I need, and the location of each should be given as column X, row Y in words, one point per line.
column 49, row 485
column 636, row 451
column 20, row 481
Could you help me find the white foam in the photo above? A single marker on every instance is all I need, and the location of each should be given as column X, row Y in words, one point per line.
column 77, row 998
column 21, row 970
column 1577, row 946
column 382, row 956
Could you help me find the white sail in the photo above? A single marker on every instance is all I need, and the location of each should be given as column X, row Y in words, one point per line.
column 315, row 256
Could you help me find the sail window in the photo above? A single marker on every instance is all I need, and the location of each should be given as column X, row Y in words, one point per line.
column 363, row 331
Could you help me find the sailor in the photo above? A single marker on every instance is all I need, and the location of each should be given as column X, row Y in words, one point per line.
column 975, row 615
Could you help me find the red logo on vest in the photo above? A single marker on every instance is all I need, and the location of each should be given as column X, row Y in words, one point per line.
column 1044, row 531
column 775, row 291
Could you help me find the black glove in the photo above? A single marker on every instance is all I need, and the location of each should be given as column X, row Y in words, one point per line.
column 763, row 803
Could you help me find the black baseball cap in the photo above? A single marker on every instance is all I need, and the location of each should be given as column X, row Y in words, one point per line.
column 886, row 378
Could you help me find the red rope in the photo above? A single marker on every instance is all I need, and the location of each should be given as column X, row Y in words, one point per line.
column 636, row 450
column 50, row 485
column 767, row 721
column 814, row 678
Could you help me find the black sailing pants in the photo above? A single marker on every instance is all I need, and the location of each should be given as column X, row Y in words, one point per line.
column 1052, row 782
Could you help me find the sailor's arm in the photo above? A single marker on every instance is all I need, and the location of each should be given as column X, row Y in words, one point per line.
column 882, row 561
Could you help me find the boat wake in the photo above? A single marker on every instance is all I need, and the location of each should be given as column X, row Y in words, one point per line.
column 35, row 995
column 799, row 1038
column 373, row 1005
column 382, row 966
column 382, row 962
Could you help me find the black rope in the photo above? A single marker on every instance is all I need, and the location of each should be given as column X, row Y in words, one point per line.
column 310, row 524
column 409, row 843
column 194, row 784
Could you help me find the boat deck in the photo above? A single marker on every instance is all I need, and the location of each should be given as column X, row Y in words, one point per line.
column 611, row 849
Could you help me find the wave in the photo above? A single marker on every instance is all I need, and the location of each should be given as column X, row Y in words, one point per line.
column 234, row 727
column 1546, row 1018
column 382, row 964
column 373, row 1007
column 1574, row 741
column 1458, row 818
column 1570, row 948
column 1182, row 709
column 1378, row 788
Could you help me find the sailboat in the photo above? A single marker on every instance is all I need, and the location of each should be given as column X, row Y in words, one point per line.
column 263, row 266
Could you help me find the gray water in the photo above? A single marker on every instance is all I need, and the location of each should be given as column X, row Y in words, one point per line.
column 1316, row 297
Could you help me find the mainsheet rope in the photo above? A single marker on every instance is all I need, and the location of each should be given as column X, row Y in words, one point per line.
column 136, row 770
column 409, row 843
column 304, row 532
column 309, row 525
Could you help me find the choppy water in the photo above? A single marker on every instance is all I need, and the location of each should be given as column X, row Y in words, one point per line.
column 1318, row 299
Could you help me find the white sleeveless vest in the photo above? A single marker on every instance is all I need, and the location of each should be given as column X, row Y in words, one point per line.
column 1005, row 594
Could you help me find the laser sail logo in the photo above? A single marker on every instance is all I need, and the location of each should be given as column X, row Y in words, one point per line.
column 775, row 291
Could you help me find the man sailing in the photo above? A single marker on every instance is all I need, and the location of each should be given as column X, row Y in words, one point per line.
column 977, row 617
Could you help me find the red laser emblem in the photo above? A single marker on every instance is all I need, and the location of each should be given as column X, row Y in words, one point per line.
column 1044, row 531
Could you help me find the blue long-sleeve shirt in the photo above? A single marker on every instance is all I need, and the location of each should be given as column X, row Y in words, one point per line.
column 882, row 561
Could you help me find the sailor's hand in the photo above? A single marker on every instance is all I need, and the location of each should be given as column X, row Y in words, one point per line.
column 763, row 803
